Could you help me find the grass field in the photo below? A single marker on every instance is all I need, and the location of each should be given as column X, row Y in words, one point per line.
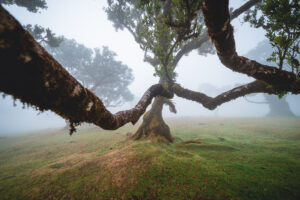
column 210, row 159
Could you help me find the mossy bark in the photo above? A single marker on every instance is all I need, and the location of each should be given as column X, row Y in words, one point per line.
column 29, row 73
column 213, row 102
column 153, row 126
column 217, row 20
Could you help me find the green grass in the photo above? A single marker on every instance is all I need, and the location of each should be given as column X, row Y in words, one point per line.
column 210, row 159
column 57, row 165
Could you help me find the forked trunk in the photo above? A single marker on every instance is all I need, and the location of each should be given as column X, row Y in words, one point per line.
column 153, row 126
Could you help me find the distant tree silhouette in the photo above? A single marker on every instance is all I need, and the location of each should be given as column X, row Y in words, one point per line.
column 279, row 107
column 96, row 70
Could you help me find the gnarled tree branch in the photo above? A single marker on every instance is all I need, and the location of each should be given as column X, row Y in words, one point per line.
column 197, row 42
column 30, row 74
column 211, row 103
column 217, row 20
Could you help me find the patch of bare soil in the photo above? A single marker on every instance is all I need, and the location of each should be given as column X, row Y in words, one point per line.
column 121, row 168
column 69, row 162
column 117, row 170
column 118, row 164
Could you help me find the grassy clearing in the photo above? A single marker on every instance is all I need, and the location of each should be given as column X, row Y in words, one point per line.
column 210, row 159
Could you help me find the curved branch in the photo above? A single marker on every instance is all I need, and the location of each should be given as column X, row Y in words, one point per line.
column 36, row 78
column 217, row 20
column 197, row 42
column 211, row 103
column 171, row 105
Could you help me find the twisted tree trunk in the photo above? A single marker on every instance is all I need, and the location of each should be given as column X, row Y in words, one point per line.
column 153, row 126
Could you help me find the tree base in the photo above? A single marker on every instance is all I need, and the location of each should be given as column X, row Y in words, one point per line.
column 156, row 132
column 153, row 127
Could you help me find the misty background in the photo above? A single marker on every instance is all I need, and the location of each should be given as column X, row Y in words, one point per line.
column 86, row 22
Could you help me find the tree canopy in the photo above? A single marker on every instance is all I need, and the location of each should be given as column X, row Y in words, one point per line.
column 32, row 5
column 97, row 70
column 41, row 34
column 280, row 19
column 166, row 30
column 162, row 29
column 44, row 35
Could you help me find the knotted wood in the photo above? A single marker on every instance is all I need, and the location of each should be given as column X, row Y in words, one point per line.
column 212, row 102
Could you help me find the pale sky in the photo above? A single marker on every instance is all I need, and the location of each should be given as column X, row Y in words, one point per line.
column 86, row 22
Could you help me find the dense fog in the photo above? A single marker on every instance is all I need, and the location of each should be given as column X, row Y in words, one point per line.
column 87, row 23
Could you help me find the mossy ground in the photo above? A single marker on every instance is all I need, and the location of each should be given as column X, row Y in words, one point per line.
column 210, row 159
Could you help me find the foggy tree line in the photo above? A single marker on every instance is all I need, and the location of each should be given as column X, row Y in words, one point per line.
column 166, row 31
column 97, row 70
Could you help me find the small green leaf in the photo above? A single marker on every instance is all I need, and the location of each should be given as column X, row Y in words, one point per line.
column 282, row 94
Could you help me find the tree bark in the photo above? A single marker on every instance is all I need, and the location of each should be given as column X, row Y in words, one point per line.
column 30, row 74
column 212, row 102
column 217, row 19
column 203, row 38
column 153, row 126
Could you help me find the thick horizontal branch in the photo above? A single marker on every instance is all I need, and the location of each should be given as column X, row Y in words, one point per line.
column 198, row 42
column 30, row 74
column 211, row 103
column 217, row 20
